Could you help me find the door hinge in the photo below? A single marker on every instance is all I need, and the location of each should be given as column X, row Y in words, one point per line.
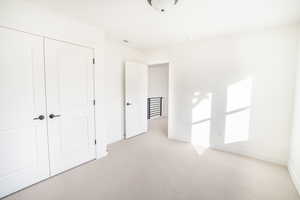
column 94, row 102
column 94, row 61
column 95, row 142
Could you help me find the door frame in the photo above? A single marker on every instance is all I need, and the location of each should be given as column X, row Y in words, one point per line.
column 170, row 92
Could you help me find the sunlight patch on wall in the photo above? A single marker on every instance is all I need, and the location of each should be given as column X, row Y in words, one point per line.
column 202, row 108
column 239, row 95
column 238, row 111
column 237, row 127
column 201, row 116
column 201, row 134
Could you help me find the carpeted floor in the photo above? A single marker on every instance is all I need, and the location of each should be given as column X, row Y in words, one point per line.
column 151, row 167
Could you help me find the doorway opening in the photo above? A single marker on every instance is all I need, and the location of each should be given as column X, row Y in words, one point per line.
column 158, row 97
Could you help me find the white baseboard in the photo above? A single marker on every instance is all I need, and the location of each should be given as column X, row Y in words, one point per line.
column 115, row 141
column 102, row 155
column 180, row 139
column 251, row 155
column 295, row 178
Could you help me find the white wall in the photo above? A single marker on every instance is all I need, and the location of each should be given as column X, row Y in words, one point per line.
column 158, row 78
column 22, row 15
column 294, row 159
column 211, row 65
column 114, row 60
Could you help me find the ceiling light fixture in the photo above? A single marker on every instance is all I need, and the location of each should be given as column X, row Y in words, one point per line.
column 162, row 5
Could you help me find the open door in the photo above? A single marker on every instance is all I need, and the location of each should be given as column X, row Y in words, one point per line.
column 136, row 89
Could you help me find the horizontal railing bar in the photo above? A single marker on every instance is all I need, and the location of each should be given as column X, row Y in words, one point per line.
column 155, row 113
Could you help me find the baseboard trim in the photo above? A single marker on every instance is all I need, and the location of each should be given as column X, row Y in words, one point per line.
column 102, row 155
column 178, row 139
column 251, row 155
column 295, row 178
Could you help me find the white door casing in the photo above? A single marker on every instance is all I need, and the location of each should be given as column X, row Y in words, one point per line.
column 70, row 95
column 23, row 140
column 136, row 89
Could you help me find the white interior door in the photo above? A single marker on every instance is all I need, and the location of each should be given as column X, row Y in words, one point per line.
column 136, row 76
column 23, row 140
column 70, row 95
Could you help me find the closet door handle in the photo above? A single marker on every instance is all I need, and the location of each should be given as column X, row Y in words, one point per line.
column 41, row 117
column 51, row 116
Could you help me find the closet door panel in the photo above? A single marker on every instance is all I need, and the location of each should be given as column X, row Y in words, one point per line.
column 23, row 141
column 70, row 94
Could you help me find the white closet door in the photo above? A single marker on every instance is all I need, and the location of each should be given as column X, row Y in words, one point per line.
column 23, row 140
column 70, row 94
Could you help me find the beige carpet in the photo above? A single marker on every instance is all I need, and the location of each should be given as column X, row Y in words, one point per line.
column 151, row 167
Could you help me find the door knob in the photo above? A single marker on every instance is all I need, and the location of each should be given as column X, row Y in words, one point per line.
column 51, row 116
column 41, row 117
column 128, row 104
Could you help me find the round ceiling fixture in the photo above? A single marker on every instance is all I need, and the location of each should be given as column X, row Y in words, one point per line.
column 162, row 5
